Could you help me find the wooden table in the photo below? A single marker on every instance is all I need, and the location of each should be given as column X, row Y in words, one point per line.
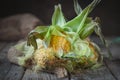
column 9, row 71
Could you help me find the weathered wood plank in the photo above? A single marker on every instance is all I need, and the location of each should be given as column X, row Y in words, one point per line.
column 5, row 65
column 4, row 51
column 98, row 74
column 31, row 75
column 4, row 68
column 15, row 73
column 113, row 64
column 114, row 67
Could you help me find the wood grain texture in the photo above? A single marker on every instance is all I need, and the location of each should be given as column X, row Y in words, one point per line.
column 99, row 74
column 4, row 51
column 114, row 67
column 15, row 73
column 31, row 75
column 5, row 65
column 4, row 68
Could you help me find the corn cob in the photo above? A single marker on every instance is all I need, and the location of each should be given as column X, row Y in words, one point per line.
column 70, row 37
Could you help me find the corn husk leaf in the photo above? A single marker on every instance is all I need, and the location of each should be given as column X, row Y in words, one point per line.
column 77, row 7
column 74, row 23
column 56, row 30
column 99, row 33
column 58, row 18
column 38, row 33
column 24, row 48
column 96, row 66
column 27, row 52
column 88, row 28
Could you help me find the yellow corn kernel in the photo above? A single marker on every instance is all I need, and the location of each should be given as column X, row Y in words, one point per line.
column 42, row 56
column 59, row 42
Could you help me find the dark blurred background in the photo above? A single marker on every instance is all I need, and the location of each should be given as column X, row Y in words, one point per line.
column 107, row 10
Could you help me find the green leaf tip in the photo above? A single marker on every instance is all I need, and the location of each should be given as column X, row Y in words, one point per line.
column 77, row 7
column 58, row 18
